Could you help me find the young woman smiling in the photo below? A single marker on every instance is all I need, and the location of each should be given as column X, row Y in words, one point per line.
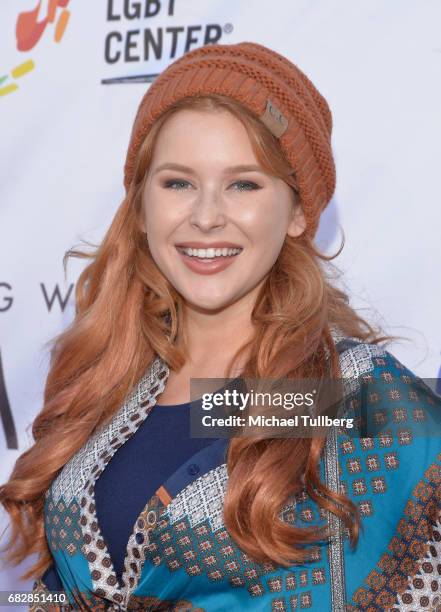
column 209, row 270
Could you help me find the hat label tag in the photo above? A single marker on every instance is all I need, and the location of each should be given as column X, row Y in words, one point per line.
column 274, row 120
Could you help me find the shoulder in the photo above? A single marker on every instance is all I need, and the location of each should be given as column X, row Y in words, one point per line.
column 358, row 357
column 385, row 392
column 393, row 446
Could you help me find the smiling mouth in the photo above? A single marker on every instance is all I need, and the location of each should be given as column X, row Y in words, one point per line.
column 211, row 254
column 210, row 264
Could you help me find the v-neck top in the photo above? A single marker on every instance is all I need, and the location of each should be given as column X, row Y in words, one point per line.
column 160, row 445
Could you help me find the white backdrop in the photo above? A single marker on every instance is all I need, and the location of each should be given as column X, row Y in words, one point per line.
column 67, row 103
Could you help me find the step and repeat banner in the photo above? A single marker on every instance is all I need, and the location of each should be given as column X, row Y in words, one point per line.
column 72, row 73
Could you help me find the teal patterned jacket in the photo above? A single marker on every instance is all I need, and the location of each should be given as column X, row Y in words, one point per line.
column 181, row 557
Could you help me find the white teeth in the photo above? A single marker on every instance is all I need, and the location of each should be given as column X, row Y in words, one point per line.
column 209, row 253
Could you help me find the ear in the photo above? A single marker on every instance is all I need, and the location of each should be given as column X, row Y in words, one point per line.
column 297, row 224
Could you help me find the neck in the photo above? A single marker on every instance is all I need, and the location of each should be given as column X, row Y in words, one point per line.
column 215, row 336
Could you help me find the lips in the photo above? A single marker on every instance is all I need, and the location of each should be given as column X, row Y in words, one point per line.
column 209, row 266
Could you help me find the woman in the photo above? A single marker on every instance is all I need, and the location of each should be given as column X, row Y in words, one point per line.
column 209, row 270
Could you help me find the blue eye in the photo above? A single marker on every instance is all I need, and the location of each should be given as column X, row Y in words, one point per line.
column 250, row 186
column 169, row 184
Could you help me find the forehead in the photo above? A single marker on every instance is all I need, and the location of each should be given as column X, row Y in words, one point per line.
column 200, row 134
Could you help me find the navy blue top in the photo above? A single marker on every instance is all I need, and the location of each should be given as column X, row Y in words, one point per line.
column 118, row 507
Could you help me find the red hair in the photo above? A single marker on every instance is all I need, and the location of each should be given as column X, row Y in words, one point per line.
column 119, row 327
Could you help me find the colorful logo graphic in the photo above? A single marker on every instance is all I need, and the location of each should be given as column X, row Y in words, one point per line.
column 30, row 27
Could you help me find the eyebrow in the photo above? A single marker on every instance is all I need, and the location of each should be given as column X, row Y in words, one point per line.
column 228, row 170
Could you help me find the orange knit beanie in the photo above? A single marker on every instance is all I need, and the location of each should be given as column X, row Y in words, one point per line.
column 274, row 89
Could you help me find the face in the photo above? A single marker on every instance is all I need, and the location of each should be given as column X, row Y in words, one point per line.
column 197, row 191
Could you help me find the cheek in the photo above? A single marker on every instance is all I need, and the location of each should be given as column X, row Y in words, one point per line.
column 158, row 222
column 164, row 210
column 155, row 233
column 265, row 228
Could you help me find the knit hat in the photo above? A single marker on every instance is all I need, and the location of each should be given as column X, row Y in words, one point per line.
column 274, row 89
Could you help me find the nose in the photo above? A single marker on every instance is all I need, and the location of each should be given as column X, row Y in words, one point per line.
column 208, row 211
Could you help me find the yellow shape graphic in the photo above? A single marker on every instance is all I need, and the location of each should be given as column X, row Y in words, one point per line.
column 22, row 69
column 27, row 66
column 16, row 73
column 8, row 89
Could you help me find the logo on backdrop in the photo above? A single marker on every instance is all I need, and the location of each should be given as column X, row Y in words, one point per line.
column 53, row 298
column 148, row 34
column 45, row 18
column 143, row 36
column 6, row 413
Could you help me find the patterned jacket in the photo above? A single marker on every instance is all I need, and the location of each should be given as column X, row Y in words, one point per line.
column 181, row 557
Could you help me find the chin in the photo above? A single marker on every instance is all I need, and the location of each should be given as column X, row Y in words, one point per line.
column 208, row 304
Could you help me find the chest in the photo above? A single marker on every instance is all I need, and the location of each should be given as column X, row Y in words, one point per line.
column 177, row 390
column 178, row 537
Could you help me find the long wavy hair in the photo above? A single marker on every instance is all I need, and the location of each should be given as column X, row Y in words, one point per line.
column 127, row 313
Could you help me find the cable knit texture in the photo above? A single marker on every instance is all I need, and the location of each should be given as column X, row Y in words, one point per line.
column 253, row 74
